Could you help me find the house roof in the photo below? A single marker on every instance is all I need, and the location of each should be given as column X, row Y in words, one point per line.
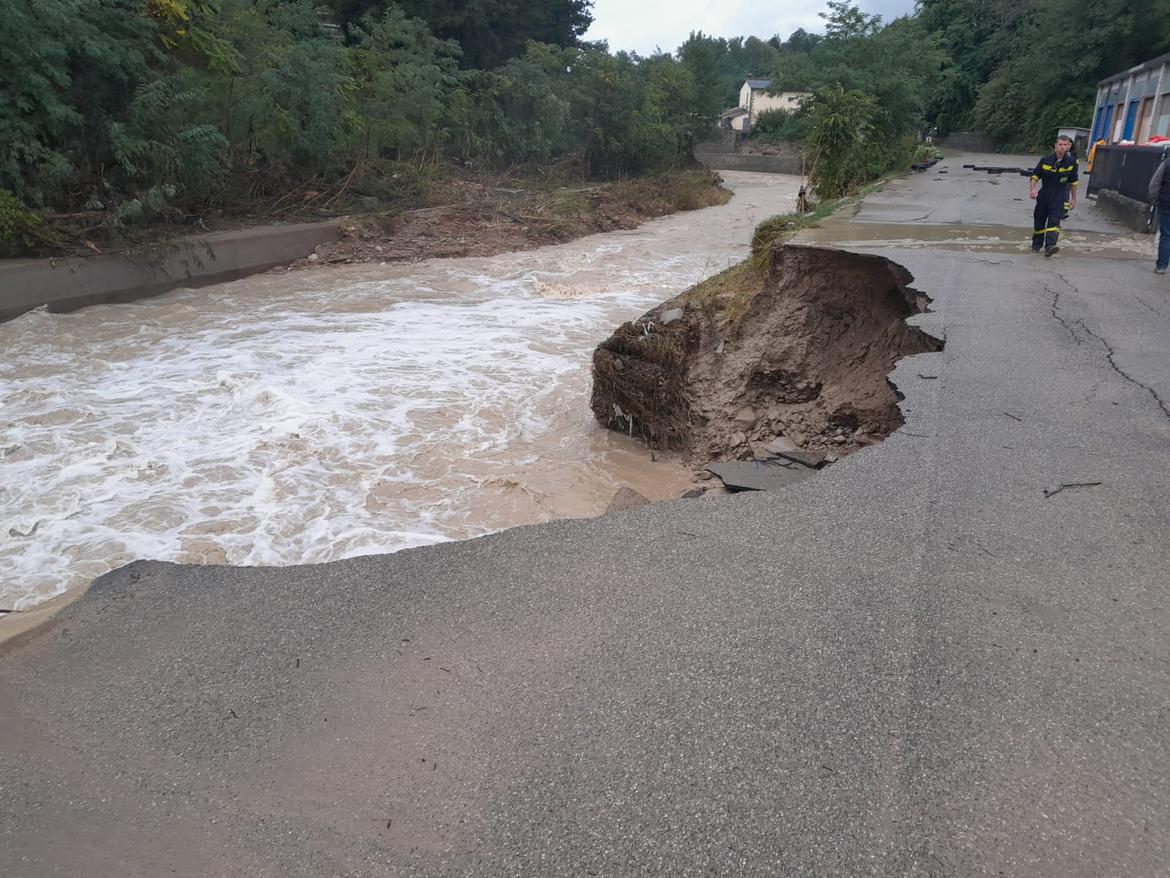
column 759, row 83
column 734, row 111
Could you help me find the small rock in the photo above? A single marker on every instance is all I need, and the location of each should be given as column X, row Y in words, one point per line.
column 618, row 365
column 760, row 451
column 798, row 437
column 692, row 493
column 626, row 498
column 745, row 417
column 780, row 444
column 674, row 315
column 738, row 438
column 704, row 476
column 313, row 257
column 838, row 439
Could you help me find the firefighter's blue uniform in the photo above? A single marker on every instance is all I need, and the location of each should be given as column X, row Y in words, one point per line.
column 1056, row 176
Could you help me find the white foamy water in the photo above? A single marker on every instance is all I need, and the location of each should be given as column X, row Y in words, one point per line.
column 311, row 416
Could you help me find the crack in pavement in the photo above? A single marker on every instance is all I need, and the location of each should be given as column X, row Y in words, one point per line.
column 1110, row 353
column 1125, row 288
column 1152, row 308
column 1056, row 307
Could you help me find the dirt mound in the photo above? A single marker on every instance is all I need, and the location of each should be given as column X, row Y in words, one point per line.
column 796, row 344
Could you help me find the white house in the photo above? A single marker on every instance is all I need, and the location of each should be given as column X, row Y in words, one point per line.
column 754, row 99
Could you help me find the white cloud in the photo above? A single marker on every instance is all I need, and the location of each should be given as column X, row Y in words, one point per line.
column 642, row 25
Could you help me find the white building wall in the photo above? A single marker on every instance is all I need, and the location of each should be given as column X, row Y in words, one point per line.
column 787, row 101
column 745, row 96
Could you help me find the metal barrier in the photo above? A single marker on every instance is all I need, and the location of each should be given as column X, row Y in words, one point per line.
column 1125, row 169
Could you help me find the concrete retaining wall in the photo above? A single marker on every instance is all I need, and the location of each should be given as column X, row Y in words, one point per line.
column 967, row 141
column 723, row 142
column 73, row 282
column 1133, row 214
column 766, row 164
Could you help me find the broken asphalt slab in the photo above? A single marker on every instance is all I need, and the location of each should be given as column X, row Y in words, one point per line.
column 914, row 664
column 760, row 475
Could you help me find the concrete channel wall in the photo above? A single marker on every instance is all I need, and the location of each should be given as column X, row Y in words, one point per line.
column 766, row 164
column 720, row 152
column 74, row 282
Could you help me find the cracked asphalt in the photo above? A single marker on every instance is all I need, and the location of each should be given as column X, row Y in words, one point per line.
column 947, row 655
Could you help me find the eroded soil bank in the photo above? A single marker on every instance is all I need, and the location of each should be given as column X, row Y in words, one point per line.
column 486, row 217
column 794, row 345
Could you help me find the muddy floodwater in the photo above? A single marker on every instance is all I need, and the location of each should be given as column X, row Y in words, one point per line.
column 303, row 417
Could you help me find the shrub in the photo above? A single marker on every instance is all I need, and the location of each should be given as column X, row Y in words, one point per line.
column 780, row 125
column 22, row 233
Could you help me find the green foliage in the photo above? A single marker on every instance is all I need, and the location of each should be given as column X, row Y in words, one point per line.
column 714, row 90
column 843, row 128
column 21, row 230
column 490, row 32
column 516, row 114
column 135, row 109
column 619, row 114
column 1021, row 68
column 403, row 78
column 924, row 153
column 781, row 125
column 143, row 108
column 769, row 233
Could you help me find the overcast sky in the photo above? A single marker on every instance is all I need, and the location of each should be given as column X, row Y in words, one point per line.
column 642, row 25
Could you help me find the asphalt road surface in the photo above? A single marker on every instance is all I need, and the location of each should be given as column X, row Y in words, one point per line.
column 947, row 655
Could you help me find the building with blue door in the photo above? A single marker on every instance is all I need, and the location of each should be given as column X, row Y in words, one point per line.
column 1134, row 105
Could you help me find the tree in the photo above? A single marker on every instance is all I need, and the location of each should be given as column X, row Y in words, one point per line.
column 403, row 77
column 712, row 90
column 845, row 21
column 489, row 31
column 842, row 124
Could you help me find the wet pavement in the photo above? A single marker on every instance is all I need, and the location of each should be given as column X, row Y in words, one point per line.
column 945, row 655
column 952, row 207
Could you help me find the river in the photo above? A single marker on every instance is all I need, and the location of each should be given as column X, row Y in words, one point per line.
column 304, row 417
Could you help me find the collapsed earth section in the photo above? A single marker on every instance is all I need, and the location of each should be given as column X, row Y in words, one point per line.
column 790, row 349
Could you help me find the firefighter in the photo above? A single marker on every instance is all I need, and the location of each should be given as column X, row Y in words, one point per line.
column 1055, row 176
